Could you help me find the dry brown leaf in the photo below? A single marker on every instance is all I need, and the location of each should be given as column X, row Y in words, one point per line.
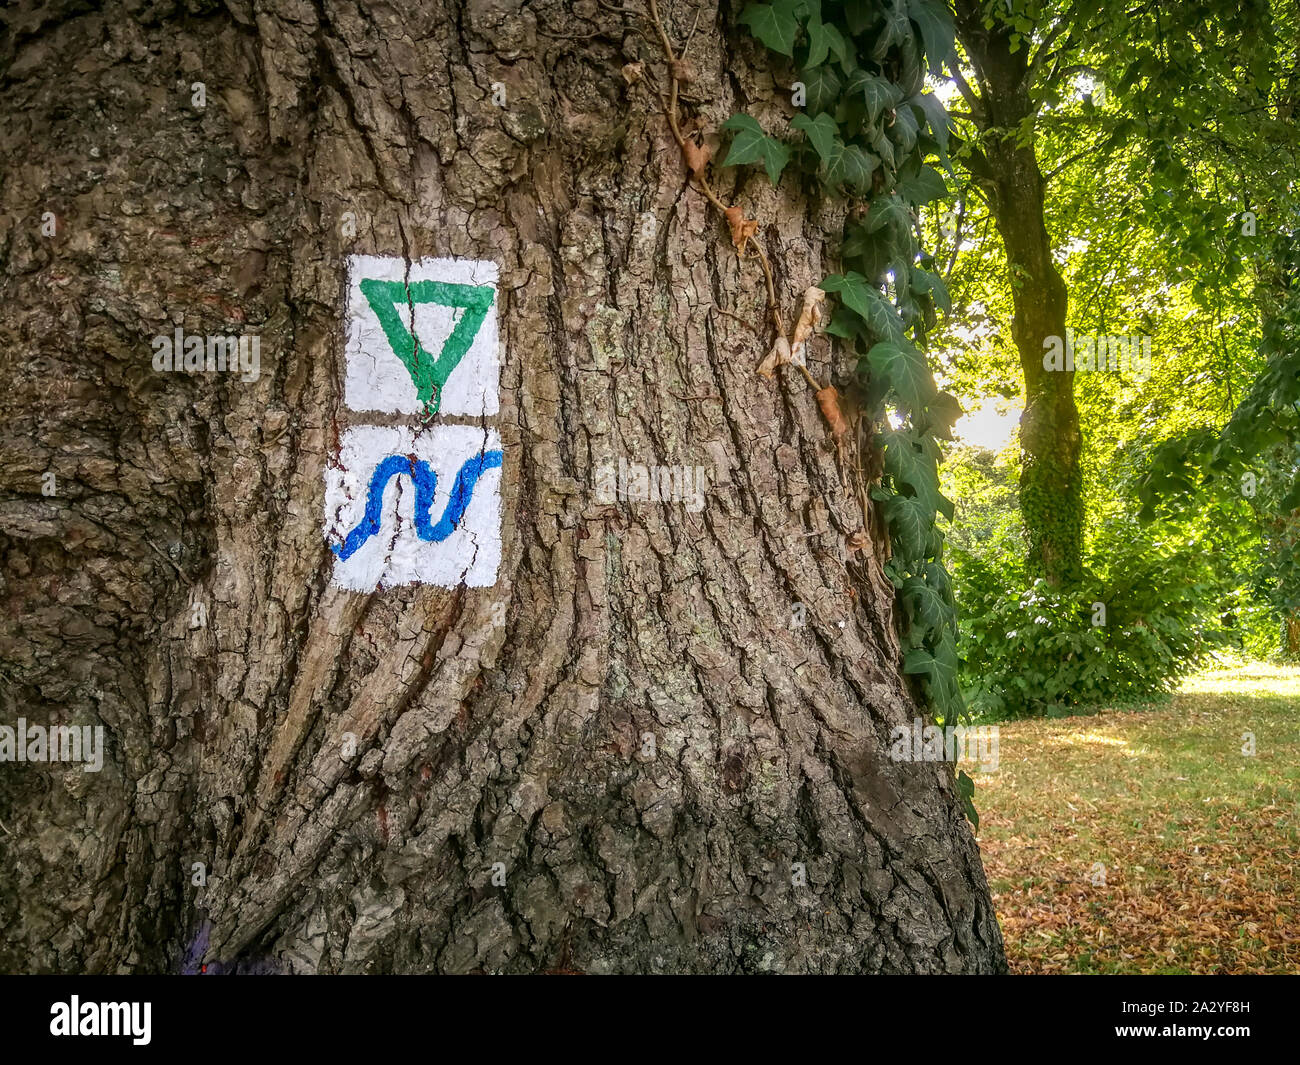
column 778, row 356
column 742, row 228
column 1200, row 897
column 829, row 401
column 692, row 125
column 697, row 156
column 809, row 315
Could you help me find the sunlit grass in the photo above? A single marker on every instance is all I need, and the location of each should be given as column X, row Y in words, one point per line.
column 1192, row 843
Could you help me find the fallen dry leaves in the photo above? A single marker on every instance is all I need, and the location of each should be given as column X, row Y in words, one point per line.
column 1199, row 843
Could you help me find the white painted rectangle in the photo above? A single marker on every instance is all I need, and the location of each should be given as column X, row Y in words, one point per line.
column 383, row 468
column 376, row 378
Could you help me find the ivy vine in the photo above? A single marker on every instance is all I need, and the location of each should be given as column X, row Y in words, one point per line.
column 868, row 131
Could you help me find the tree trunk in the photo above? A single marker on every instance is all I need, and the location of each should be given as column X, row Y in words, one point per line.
column 505, row 810
column 1051, row 480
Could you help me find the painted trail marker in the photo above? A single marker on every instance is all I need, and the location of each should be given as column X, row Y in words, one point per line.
column 418, row 504
column 422, row 336
column 415, row 506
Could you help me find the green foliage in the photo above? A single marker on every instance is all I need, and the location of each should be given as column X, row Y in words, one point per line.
column 866, row 135
column 1037, row 651
column 934, row 20
column 904, row 370
column 1146, row 185
column 1172, row 593
column 1182, row 119
column 1258, row 488
column 1164, row 120
column 1051, row 505
column 773, row 24
column 1255, row 456
column 752, row 145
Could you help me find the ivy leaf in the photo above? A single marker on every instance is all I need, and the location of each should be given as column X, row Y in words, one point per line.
column 966, row 788
column 924, row 604
column 894, row 31
column 822, row 40
column 773, row 24
column 878, row 94
column 939, row 293
column 945, row 653
column 911, row 75
column 935, row 22
column 929, row 445
column 870, row 254
column 819, row 44
column 912, row 468
column 924, row 281
column 752, row 145
column 940, row 414
column 822, row 86
column 859, row 14
column 909, row 527
column 884, row 148
column 919, row 660
column 937, row 578
column 850, row 165
column 888, row 211
column 906, row 371
column 939, row 121
column 944, row 505
column 903, row 131
column 865, row 300
column 844, row 323
column 852, row 288
column 889, row 222
column 820, row 131
column 922, row 186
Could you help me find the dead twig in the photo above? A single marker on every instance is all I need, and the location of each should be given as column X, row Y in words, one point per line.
column 692, row 154
column 732, row 314
column 744, row 231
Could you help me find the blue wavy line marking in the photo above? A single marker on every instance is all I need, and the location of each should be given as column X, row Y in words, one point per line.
column 426, row 481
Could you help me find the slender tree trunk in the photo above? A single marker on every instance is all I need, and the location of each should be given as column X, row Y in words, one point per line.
column 1051, row 480
column 623, row 756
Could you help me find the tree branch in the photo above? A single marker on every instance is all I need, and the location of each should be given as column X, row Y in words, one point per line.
column 968, row 94
column 1044, row 52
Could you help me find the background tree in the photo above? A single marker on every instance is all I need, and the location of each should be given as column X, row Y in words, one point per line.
column 1004, row 107
column 1170, row 153
column 1193, row 88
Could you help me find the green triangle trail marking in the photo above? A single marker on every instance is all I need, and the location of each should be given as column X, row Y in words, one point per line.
column 428, row 373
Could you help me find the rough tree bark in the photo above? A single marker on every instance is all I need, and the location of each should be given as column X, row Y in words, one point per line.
column 1051, row 478
column 510, row 735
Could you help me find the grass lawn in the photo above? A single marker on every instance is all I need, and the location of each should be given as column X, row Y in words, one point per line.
column 1144, row 841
